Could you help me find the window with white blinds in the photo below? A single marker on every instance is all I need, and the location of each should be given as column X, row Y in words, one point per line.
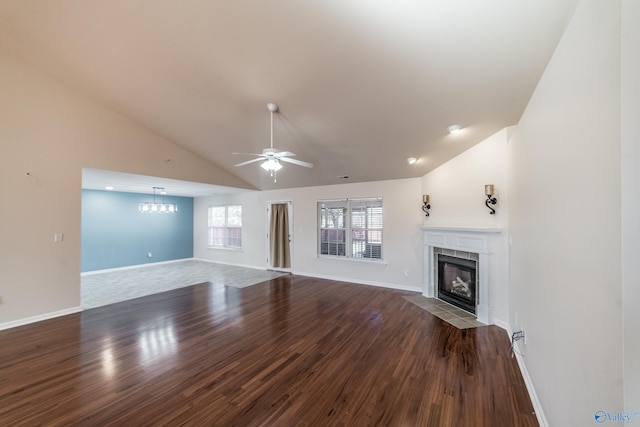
column 225, row 226
column 350, row 228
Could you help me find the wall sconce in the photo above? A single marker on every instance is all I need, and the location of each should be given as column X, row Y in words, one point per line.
column 489, row 191
column 425, row 204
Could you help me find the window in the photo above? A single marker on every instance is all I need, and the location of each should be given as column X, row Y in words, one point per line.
column 225, row 226
column 350, row 228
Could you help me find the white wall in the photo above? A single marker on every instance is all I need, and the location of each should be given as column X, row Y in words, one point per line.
column 456, row 191
column 630, row 108
column 564, row 216
column 51, row 133
column 402, row 238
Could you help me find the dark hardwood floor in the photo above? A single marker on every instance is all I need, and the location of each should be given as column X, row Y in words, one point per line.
column 294, row 351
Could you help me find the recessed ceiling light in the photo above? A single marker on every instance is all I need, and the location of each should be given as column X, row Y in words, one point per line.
column 411, row 160
column 454, row 128
column 109, row 188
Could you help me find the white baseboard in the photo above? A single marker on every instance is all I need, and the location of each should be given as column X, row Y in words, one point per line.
column 361, row 282
column 537, row 406
column 323, row 276
column 39, row 318
column 132, row 267
column 255, row 267
column 502, row 324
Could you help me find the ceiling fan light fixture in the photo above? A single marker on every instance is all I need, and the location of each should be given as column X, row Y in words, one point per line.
column 271, row 165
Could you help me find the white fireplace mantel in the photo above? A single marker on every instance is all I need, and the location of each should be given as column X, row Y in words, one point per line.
column 477, row 239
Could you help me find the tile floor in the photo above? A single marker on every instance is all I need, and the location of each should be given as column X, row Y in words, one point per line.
column 114, row 286
column 445, row 311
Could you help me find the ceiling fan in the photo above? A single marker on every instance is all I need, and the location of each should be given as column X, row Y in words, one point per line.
column 271, row 157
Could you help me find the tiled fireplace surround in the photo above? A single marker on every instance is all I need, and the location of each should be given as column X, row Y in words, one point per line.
column 465, row 242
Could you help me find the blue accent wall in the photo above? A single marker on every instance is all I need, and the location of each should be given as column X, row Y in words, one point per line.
column 115, row 234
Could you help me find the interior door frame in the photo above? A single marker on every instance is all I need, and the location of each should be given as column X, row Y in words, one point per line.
column 268, row 222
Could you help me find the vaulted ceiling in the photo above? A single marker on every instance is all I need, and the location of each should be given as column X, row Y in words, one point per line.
column 361, row 84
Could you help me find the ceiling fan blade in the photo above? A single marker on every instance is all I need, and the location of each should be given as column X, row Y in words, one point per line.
column 296, row 162
column 259, row 159
column 284, row 154
column 249, row 154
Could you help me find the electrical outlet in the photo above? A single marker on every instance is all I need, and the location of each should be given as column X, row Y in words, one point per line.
column 149, row 255
column 58, row 237
column 406, row 273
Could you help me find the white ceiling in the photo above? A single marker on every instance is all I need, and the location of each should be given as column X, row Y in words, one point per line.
column 361, row 84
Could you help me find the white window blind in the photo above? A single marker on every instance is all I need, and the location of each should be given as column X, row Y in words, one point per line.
column 225, row 226
column 350, row 228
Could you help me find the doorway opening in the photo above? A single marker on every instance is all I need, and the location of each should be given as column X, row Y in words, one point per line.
column 279, row 235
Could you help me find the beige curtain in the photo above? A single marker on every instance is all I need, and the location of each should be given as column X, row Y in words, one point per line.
column 279, row 236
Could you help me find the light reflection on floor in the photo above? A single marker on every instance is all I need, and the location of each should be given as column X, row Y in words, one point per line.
column 157, row 343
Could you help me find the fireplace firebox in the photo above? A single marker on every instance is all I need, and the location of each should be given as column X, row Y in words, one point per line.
column 457, row 282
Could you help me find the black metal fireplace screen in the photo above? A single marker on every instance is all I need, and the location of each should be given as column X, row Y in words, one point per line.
column 457, row 282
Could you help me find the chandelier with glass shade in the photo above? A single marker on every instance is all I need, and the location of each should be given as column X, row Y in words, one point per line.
column 158, row 207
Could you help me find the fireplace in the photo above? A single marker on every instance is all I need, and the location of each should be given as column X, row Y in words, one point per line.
column 457, row 281
column 481, row 244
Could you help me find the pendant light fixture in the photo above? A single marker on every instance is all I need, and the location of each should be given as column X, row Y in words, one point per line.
column 158, row 207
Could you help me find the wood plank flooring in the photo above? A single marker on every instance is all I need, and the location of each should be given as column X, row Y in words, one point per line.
column 293, row 351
